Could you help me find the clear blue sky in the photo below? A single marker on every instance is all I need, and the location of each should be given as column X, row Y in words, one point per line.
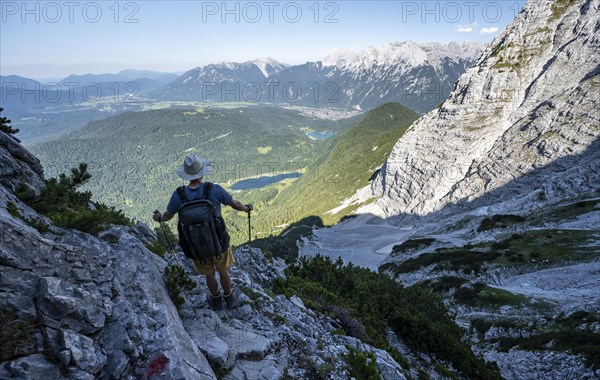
column 43, row 40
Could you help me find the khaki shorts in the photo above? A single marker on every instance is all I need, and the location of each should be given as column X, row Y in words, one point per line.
column 214, row 263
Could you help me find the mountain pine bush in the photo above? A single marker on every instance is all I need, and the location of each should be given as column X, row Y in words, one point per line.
column 165, row 238
column 416, row 315
column 69, row 208
column 363, row 365
column 5, row 125
column 16, row 336
column 178, row 281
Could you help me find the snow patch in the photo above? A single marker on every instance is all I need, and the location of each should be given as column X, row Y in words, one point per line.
column 405, row 54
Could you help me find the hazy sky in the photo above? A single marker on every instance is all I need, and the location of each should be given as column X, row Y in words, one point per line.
column 52, row 39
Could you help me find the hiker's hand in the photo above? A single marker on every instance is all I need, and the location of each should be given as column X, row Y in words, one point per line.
column 156, row 216
column 249, row 207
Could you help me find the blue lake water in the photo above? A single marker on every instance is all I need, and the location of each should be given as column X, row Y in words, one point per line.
column 320, row 135
column 266, row 180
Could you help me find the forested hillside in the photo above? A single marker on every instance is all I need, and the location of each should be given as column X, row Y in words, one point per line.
column 133, row 157
column 320, row 194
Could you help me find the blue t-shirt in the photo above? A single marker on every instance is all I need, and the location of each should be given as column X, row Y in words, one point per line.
column 217, row 196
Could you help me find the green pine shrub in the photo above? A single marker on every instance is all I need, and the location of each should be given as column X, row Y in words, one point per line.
column 559, row 7
column 363, row 365
column 423, row 375
column 417, row 315
column 178, row 281
column 443, row 259
column 13, row 210
column 156, row 247
column 5, row 125
column 412, row 244
column 499, row 221
column 38, row 225
column 443, row 284
column 67, row 207
column 164, row 242
column 35, row 223
column 349, row 324
column 585, row 342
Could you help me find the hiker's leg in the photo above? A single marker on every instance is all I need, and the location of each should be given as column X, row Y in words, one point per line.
column 225, row 280
column 213, row 285
column 222, row 266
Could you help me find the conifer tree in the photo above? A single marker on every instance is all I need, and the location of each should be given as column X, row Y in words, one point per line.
column 5, row 124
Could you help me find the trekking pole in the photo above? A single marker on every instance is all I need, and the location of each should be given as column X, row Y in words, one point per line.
column 250, row 246
column 168, row 240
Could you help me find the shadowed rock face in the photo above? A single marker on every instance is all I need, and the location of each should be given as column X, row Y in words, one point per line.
column 532, row 98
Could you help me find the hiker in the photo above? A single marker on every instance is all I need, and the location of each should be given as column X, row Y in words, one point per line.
column 194, row 169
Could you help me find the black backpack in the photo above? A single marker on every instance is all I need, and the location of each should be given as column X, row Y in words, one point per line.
column 202, row 231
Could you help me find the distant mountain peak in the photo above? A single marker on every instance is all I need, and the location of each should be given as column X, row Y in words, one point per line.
column 406, row 53
column 339, row 56
column 266, row 60
column 268, row 66
column 121, row 76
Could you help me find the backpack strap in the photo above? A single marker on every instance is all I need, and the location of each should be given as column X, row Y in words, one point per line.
column 207, row 189
column 205, row 194
column 181, row 193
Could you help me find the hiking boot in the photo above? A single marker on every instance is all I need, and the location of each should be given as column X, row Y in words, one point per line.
column 214, row 302
column 231, row 299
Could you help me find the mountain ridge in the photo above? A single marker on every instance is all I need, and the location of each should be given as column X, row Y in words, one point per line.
column 121, row 76
column 408, row 51
column 419, row 84
column 34, row 106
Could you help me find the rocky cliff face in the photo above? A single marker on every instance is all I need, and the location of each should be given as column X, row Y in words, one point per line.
column 96, row 306
column 18, row 165
column 77, row 306
column 514, row 124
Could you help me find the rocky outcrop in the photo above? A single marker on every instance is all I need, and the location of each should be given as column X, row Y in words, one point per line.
column 102, row 308
column 18, row 164
column 104, row 312
column 514, row 124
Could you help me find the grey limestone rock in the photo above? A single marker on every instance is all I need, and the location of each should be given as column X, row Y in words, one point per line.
column 524, row 119
column 101, row 304
column 18, row 165
column 32, row 367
